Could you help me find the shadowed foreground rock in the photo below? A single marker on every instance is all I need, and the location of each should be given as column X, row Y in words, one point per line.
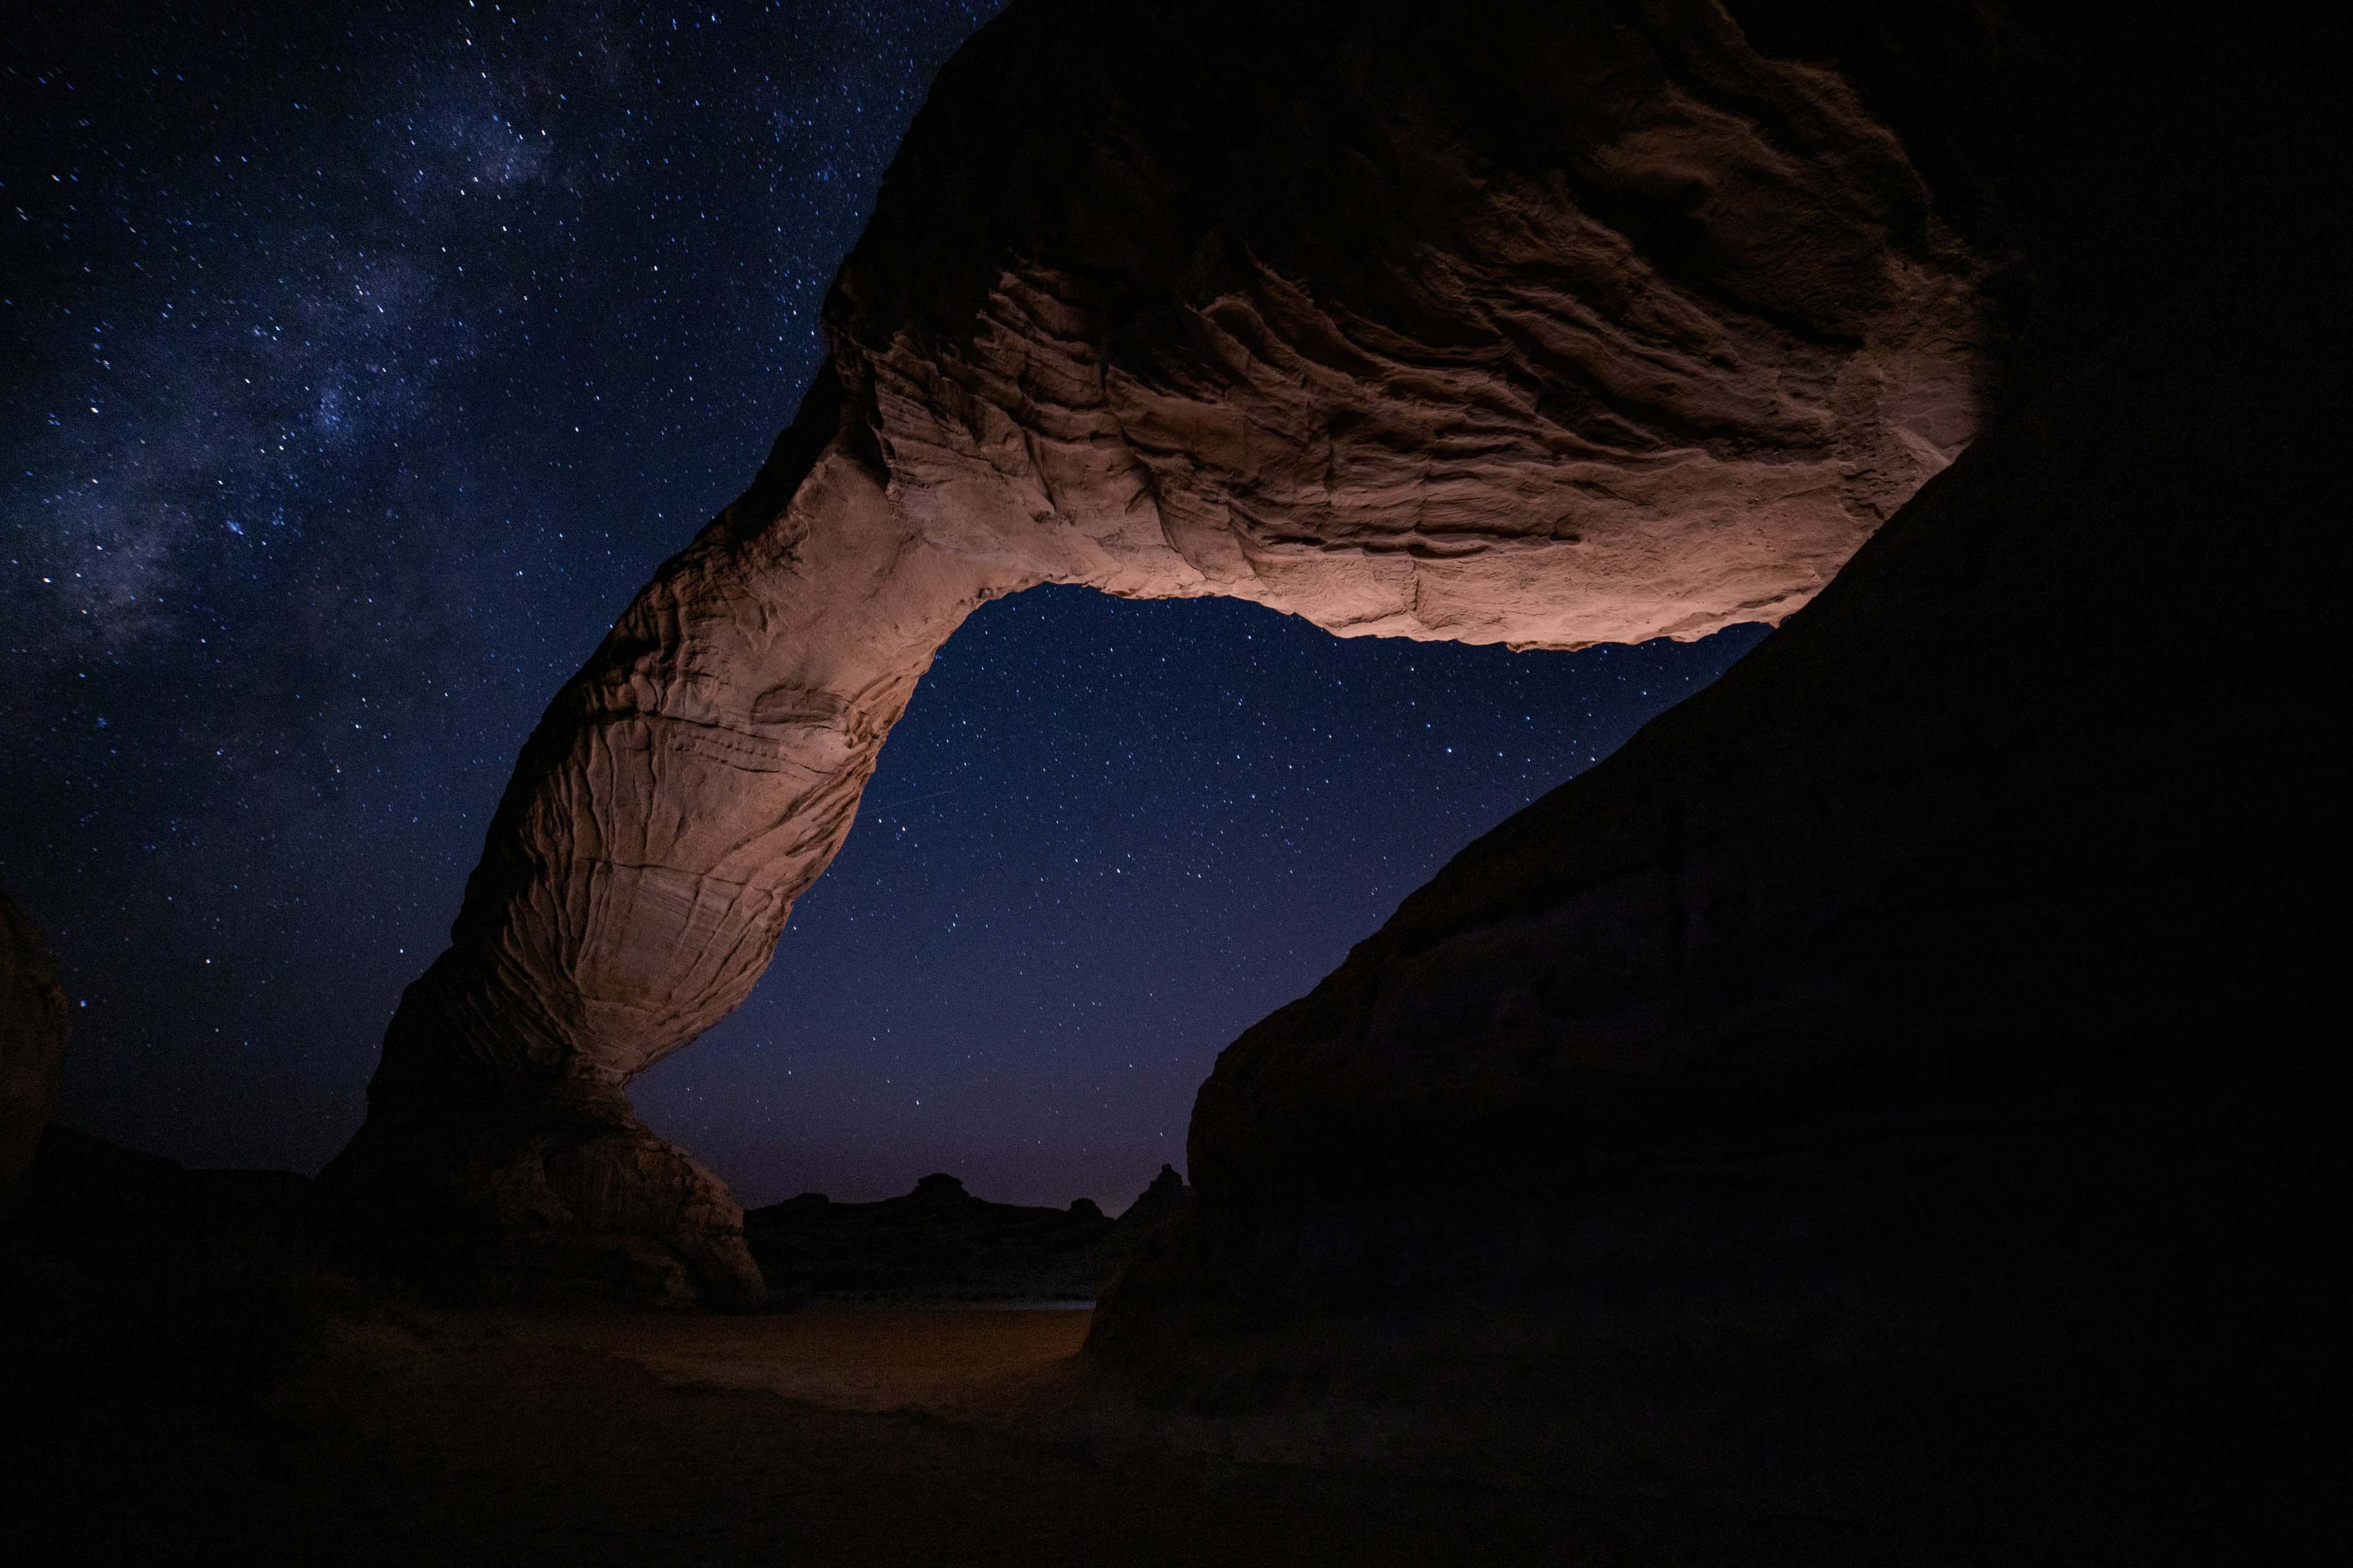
column 1892, row 1088
column 1536, row 324
column 33, row 1029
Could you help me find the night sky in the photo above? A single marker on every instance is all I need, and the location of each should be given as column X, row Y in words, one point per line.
column 360, row 366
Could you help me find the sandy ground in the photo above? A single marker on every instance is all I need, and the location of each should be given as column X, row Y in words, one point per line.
column 940, row 1361
column 819, row 1437
column 832, row 1435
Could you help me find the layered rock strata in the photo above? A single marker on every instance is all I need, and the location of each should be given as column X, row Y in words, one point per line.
column 1496, row 323
column 1892, row 1090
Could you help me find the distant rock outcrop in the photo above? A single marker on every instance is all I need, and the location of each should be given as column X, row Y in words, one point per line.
column 143, row 1284
column 33, row 1029
column 2016, row 800
column 1536, row 324
column 88, row 1195
column 1163, row 1201
column 940, row 1243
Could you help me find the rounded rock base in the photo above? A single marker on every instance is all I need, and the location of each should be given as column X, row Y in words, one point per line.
column 566, row 1194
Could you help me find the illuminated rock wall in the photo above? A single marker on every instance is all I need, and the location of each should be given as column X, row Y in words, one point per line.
column 1496, row 324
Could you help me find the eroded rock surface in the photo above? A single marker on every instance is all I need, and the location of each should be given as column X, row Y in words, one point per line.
column 1899, row 1086
column 1543, row 325
column 2017, row 799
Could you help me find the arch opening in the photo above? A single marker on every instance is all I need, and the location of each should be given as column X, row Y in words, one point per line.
column 1107, row 836
column 1382, row 363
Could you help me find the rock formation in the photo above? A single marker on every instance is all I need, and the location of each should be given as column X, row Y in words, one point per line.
column 1160, row 1201
column 1890, row 1088
column 89, row 1197
column 2019, row 798
column 941, row 1243
column 1884, row 1090
column 33, row 1031
column 1544, row 325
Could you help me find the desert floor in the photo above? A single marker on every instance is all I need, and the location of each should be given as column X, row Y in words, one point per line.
column 828, row 1436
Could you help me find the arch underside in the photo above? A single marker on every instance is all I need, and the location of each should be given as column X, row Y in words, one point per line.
column 1892, row 1090
column 1377, row 359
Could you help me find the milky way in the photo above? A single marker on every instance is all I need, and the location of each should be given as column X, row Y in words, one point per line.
column 368, row 362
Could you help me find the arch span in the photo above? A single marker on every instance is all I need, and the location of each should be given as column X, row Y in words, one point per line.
column 1535, row 325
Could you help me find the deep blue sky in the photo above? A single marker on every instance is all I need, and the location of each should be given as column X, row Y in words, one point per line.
column 363, row 364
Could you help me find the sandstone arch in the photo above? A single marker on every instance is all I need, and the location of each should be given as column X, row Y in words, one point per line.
column 1895, row 1091
column 1544, row 326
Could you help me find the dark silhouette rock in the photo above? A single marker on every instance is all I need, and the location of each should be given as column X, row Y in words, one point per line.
column 143, row 1278
column 33, row 1029
column 1887, row 1089
column 563, row 1189
column 941, row 1188
column 940, row 1243
column 1163, row 1200
column 85, row 1191
column 937, row 1242
column 1141, row 1226
column 1543, row 325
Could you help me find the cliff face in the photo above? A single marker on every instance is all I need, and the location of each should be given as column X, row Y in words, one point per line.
column 1988, row 815
column 1542, row 325
column 1891, row 1089
column 2019, row 797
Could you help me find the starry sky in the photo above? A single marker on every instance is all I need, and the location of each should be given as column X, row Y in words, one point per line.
column 363, row 359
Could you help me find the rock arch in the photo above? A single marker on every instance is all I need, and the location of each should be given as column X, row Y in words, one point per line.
column 1535, row 325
